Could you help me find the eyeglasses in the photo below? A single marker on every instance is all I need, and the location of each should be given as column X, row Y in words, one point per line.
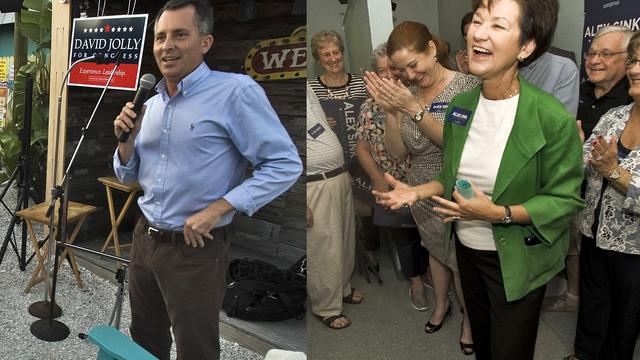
column 603, row 54
column 630, row 62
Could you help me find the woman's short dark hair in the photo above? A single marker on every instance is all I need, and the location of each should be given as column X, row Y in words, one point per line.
column 466, row 19
column 538, row 20
column 204, row 13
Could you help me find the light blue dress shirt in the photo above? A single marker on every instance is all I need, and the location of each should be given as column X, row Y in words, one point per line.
column 193, row 149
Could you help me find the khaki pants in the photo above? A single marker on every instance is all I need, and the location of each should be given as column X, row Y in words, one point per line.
column 330, row 244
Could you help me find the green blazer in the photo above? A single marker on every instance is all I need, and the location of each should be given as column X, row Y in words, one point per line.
column 541, row 168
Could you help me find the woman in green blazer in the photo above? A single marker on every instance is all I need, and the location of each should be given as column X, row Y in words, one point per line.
column 521, row 153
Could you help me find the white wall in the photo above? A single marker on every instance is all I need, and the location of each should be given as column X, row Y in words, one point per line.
column 422, row 11
column 367, row 23
column 570, row 26
column 450, row 13
column 324, row 15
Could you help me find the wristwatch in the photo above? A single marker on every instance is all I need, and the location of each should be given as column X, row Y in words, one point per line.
column 420, row 114
column 507, row 218
column 615, row 175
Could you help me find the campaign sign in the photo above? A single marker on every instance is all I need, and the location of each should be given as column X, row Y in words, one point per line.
column 599, row 13
column 345, row 112
column 106, row 37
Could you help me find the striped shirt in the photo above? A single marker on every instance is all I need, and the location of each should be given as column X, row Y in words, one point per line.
column 354, row 89
column 324, row 152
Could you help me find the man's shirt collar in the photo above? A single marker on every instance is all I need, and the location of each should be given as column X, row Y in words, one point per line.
column 186, row 85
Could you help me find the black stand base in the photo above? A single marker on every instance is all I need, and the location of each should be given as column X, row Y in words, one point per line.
column 49, row 330
column 42, row 309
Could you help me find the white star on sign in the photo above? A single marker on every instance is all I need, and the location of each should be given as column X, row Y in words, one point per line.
column 119, row 28
column 90, row 30
column 124, row 29
column 131, row 28
column 95, row 30
column 85, row 30
column 101, row 29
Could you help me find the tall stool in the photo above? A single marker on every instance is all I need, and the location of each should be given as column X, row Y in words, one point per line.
column 77, row 213
column 131, row 188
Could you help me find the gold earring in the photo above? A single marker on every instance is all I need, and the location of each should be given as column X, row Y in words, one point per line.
column 520, row 58
column 435, row 57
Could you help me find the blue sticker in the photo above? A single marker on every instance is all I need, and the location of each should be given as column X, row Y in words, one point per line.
column 438, row 107
column 316, row 130
column 459, row 116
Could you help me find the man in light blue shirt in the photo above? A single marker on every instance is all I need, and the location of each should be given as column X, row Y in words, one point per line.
column 556, row 75
column 189, row 150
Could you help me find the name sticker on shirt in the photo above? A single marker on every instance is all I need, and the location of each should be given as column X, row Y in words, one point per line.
column 438, row 107
column 316, row 130
column 459, row 116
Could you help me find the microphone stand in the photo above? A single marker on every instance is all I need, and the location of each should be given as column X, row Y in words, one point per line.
column 47, row 328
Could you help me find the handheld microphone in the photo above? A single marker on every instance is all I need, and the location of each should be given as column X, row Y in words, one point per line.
column 147, row 81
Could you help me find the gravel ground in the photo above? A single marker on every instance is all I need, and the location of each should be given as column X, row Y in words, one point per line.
column 82, row 309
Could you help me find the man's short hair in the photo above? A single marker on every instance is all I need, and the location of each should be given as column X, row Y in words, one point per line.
column 609, row 29
column 204, row 13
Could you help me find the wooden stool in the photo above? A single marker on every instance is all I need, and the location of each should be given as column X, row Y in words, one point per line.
column 77, row 213
column 132, row 188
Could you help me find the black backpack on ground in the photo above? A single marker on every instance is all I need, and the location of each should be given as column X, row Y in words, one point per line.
column 260, row 291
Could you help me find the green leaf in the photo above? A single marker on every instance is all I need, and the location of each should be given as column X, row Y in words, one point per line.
column 37, row 5
column 31, row 31
column 29, row 17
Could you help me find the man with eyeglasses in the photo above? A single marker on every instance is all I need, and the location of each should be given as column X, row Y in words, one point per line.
column 607, row 87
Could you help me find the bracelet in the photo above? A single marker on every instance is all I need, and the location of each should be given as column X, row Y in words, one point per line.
column 616, row 174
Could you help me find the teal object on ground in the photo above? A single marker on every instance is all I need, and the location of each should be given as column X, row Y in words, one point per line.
column 464, row 188
column 114, row 345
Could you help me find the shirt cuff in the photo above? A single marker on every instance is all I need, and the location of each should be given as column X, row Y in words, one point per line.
column 125, row 173
column 241, row 201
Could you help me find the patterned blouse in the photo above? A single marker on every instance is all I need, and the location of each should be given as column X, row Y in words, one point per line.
column 619, row 220
column 371, row 129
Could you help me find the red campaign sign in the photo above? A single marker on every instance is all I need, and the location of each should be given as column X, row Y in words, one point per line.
column 106, row 37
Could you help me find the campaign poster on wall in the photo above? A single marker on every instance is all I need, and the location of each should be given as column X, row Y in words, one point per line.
column 345, row 113
column 599, row 13
column 108, row 37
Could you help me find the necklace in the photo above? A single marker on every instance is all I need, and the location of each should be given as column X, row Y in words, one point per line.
column 335, row 82
column 512, row 93
column 340, row 89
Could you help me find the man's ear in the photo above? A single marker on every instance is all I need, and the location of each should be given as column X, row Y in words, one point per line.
column 207, row 43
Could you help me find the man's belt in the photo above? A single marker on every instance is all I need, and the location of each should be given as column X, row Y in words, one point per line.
column 172, row 237
column 327, row 175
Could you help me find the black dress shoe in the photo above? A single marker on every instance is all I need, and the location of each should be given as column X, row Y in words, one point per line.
column 431, row 328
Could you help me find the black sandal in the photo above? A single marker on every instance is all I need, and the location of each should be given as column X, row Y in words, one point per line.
column 350, row 300
column 328, row 322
